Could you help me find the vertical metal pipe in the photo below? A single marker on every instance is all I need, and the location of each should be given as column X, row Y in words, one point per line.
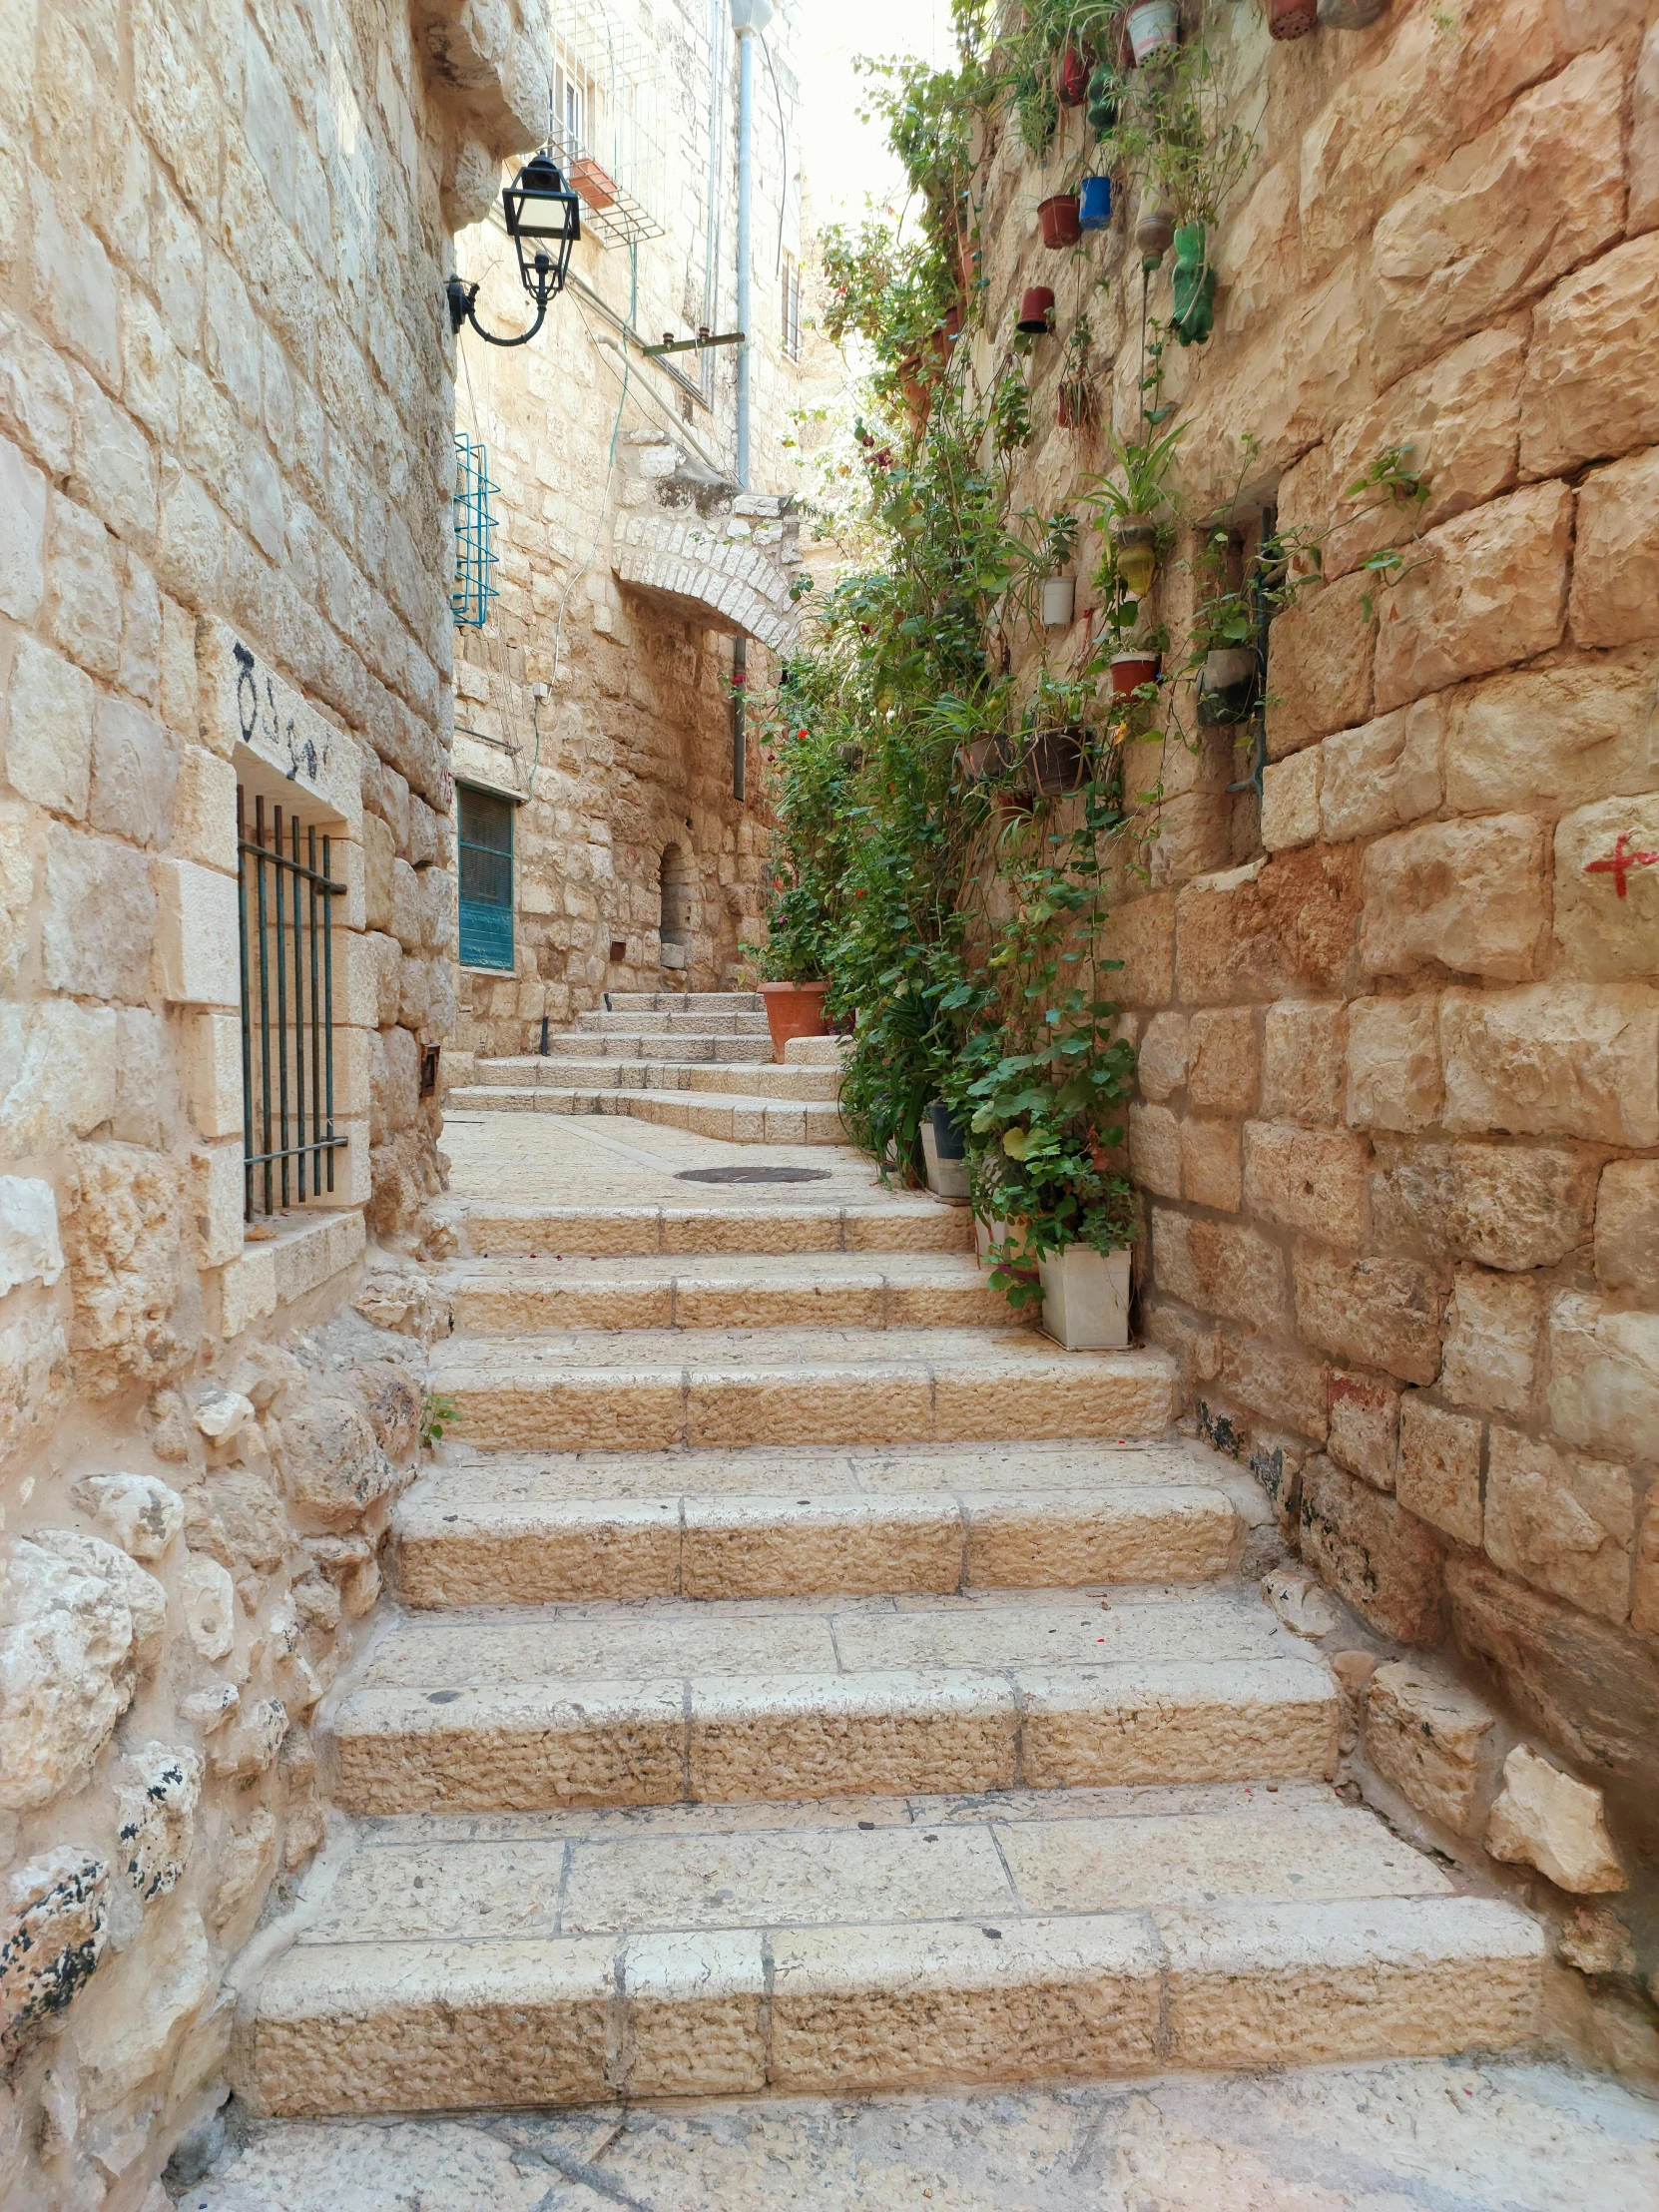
column 282, row 1007
column 316, row 1026
column 740, row 735
column 265, row 1003
column 299, row 1012
column 329, row 1002
column 745, row 167
column 246, row 1014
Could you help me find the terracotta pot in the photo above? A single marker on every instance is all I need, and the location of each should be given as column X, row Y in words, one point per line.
column 1153, row 25
column 1292, row 18
column 1349, row 15
column 1057, row 762
column 1057, row 220
column 794, row 1010
column 1130, row 671
column 980, row 756
column 1071, row 78
column 1036, row 310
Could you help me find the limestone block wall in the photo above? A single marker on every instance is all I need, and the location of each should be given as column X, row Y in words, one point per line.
column 225, row 410
column 1396, row 1128
column 598, row 692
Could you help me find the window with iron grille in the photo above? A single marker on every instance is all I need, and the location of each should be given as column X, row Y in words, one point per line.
column 286, row 903
column 791, row 308
column 485, row 847
column 476, row 556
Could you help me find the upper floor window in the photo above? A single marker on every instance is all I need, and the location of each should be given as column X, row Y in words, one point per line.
column 484, row 843
column 791, row 332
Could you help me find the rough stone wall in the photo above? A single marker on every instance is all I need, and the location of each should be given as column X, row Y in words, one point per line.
column 625, row 625
column 225, row 432
column 1397, row 1111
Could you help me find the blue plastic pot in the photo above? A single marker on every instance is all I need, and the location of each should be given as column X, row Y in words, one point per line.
column 1094, row 196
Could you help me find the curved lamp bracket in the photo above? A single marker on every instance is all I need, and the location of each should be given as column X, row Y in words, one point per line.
column 463, row 299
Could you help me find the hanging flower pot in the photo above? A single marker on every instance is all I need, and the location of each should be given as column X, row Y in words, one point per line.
column 1292, row 18
column 1036, row 312
column 1193, row 301
column 1057, row 220
column 1094, row 202
column 1227, row 686
column 1154, row 234
column 1228, row 664
column 1130, row 671
column 1135, row 551
column 1076, row 408
column 981, row 756
column 1071, row 78
column 1056, row 762
column 1152, row 26
column 1059, row 602
column 1105, row 100
column 1349, row 15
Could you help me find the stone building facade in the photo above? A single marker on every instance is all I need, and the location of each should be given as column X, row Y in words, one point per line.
column 225, row 421
column 596, row 697
column 1397, row 1127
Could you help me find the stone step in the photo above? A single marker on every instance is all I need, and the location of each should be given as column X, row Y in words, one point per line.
column 888, row 1947
column 707, row 1701
column 673, row 1024
column 735, row 1119
column 685, row 1003
column 900, row 1223
column 487, row 1535
column 754, row 1291
column 649, row 1389
column 586, row 1044
column 755, row 1079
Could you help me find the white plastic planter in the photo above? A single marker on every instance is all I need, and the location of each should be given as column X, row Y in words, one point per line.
column 946, row 1178
column 1153, row 24
column 1086, row 1298
column 1059, row 602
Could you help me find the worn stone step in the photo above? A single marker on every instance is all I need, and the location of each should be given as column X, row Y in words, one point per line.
column 719, row 1702
column 587, row 1044
column 649, row 1389
column 757, row 1079
column 900, row 1223
column 482, row 1535
column 675, row 1024
column 575, row 1959
column 685, row 1003
column 735, row 1118
column 754, row 1291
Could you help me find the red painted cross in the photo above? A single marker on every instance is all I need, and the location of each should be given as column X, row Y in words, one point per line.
column 1620, row 861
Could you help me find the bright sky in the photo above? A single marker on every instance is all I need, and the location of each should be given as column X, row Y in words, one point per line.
column 845, row 160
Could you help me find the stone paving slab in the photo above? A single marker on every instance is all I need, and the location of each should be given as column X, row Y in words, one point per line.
column 1412, row 2135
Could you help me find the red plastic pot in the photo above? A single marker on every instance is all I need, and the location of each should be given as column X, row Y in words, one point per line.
column 1292, row 18
column 794, row 1010
column 1036, row 310
column 1057, row 220
column 1130, row 671
column 1071, row 78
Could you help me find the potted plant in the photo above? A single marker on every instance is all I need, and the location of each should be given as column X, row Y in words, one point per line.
column 795, row 957
column 1071, row 77
column 944, row 1154
column 1094, row 202
column 1040, row 1135
column 1036, row 312
column 1057, row 220
column 1075, row 408
column 1193, row 301
column 1131, row 669
column 1059, row 602
column 1056, row 762
column 1288, row 19
column 1105, row 100
column 1154, row 25
column 1154, row 234
column 1132, row 506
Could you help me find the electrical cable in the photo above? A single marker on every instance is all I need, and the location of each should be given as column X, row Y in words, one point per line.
column 783, row 157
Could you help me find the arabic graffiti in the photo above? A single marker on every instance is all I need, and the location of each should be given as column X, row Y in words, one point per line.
column 261, row 718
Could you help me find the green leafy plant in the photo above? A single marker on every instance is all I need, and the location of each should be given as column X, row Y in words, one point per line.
column 437, row 1413
column 1391, row 479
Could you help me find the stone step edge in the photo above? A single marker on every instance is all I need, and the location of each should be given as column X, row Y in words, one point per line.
column 625, row 1231
column 872, row 2008
column 752, row 1739
column 856, row 1545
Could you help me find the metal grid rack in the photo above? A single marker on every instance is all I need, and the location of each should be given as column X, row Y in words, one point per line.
column 604, row 121
column 475, row 557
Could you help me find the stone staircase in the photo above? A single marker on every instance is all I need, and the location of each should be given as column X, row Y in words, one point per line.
column 800, row 1680
column 697, row 1060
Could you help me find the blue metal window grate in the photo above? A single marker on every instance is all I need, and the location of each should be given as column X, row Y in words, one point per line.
column 475, row 557
column 485, row 847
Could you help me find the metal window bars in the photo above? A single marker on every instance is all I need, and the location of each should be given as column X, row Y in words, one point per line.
column 476, row 556
column 284, row 912
column 604, row 121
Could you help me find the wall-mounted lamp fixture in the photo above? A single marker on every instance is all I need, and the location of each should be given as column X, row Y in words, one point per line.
column 544, row 221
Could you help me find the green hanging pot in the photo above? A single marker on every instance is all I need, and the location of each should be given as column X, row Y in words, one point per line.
column 1193, row 306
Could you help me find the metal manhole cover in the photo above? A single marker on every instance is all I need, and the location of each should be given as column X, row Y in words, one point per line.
column 753, row 1175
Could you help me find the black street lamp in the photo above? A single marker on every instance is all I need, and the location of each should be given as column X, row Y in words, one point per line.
column 544, row 221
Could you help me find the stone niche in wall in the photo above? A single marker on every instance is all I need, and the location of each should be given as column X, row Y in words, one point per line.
column 695, row 540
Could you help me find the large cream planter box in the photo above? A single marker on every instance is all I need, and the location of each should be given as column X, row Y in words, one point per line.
column 1086, row 1298
column 946, row 1178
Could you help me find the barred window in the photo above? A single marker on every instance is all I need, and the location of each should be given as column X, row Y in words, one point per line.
column 791, row 308
column 485, row 845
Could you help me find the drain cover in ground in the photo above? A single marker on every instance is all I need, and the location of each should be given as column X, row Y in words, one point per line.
column 753, row 1175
